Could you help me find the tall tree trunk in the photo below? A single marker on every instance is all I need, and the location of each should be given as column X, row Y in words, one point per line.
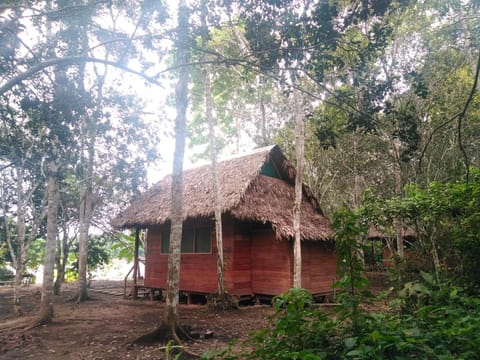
column 468, row 44
column 397, row 175
column 18, row 253
column 86, row 187
column 357, row 189
column 11, row 247
column 46, row 302
column 85, row 217
column 263, row 113
column 57, row 284
column 181, row 104
column 21, row 231
column 61, row 260
column 299, row 154
column 207, row 90
column 356, row 176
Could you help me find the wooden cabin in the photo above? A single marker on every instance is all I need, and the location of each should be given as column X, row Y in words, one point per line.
column 382, row 244
column 257, row 192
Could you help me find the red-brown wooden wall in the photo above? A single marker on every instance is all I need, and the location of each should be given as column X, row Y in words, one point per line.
column 319, row 267
column 255, row 263
column 271, row 264
column 198, row 272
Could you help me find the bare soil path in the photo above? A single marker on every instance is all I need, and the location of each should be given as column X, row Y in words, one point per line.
column 105, row 326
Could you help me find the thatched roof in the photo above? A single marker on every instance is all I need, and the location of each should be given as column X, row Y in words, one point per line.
column 246, row 194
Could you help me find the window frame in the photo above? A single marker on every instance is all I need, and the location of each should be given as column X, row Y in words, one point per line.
column 196, row 229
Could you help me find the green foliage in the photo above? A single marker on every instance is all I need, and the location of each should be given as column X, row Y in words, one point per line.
column 349, row 248
column 445, row 324
column 123, row 246
column 299, row 331
column 36, row 254
column 6, row 274
column 446, row 220
column 99, row 254
column 430, row 318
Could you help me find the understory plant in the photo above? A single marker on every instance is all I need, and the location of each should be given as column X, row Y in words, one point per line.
column 430, row 317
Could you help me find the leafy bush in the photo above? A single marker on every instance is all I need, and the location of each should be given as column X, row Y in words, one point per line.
column 298, row 330
column 446, row 221
column 6, row 274
column 430, row 318
column 99, row 254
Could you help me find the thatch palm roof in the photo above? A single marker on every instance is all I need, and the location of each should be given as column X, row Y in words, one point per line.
column 246, row 194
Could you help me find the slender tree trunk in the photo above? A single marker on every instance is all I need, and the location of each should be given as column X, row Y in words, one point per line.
column 57, row 285
column 357, row 189
column 86, row 189
column 398, row 191
column 263, row 113
column 46, row 302
column 468, row 44
column 356, row 176
column 61, row 261
column 181, row 98
column 18, row 253
column 133, row 290
column 299, row 152
column 21, row 231
column 435, row 257
column 85, row 217
column 17, row 306
column 207, row 90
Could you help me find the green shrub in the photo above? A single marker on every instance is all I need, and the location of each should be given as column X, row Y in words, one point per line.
column 297, row 330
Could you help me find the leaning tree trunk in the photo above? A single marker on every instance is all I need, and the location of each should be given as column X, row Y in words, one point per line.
column 207, row 90
column 299, row 152
column 46, row 304
column 181, row 98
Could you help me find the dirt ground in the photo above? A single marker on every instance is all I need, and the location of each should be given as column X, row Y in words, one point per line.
column 105, row 326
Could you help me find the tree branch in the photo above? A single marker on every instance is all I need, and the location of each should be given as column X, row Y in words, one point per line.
column 461, row 117
column 430, row 138
column 70, row 60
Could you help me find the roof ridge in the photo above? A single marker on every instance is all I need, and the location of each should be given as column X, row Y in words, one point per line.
column 195, row 167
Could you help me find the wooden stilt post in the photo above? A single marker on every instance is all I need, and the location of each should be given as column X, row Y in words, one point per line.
column 135, row 263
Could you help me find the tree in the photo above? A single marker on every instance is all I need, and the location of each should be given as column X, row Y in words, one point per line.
column 299, row 156
column 207, row 93
column 19, row 245
column 46, row 301
column 51, row 102
column 182, row 58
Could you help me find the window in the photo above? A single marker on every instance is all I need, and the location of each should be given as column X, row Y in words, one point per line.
column 203, row 242
column 165, row 241
column 188, row 241
column 194, row 240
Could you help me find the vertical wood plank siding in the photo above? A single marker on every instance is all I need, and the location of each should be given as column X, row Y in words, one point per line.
column 271, row 264
column 319, row 267
column 255, row 263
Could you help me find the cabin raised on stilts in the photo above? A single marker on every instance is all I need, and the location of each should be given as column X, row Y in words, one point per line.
column 257, row 192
